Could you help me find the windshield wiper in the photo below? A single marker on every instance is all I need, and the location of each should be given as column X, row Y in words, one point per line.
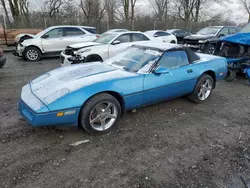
column 129, row 70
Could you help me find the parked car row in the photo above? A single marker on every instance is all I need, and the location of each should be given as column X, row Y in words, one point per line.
column 52, row 41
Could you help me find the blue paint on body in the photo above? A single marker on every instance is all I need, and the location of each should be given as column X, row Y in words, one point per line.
column 79, row 83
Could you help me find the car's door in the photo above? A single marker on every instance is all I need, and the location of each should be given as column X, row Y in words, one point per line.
column 53, row 40
column 223, row 32
column 124, row 42
column 138, row 37
column 179, row 80
column 74, row 35
column 163, row 36
column 232, row 30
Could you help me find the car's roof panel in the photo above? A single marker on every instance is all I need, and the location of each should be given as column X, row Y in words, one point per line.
column 159, row 45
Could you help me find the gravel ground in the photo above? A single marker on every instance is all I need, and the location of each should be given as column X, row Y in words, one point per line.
column 171, row 144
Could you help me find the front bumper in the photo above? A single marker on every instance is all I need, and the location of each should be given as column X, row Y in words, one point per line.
column 196, row 47
column 48, row 118
column 2, row 61
column 19, row 50
column 69, row 60
column 37, row 114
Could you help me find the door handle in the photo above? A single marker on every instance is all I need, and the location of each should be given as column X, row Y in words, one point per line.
column 189, row 71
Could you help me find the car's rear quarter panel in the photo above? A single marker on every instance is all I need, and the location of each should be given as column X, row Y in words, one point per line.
column 216, row 64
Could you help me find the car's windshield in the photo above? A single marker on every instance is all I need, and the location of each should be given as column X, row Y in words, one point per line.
column 209, row 31
column 91, row 30
column 41, row 33
column 135, row 58
column 106, row 38
column 246, row 29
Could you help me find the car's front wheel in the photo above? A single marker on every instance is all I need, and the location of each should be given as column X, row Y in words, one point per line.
column 32, row 54
column 203, row 89
column 100, row 113
column 210, row 49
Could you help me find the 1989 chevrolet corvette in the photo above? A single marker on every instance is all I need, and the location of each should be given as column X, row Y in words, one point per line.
column 94, row 95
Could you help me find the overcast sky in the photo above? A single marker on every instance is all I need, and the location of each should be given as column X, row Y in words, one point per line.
column 232, row 10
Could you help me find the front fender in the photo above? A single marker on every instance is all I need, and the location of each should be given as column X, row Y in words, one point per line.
column 33, row 42
column 123, row 87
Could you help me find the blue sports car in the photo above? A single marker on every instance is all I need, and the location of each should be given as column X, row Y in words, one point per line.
column 94, row 95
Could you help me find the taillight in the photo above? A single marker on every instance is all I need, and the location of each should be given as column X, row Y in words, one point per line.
column 1, row 51
column 97, row 36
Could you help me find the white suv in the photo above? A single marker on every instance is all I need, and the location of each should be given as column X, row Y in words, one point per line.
column 53, row 40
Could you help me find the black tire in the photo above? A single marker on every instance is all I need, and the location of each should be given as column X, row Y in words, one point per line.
column 37, row 54
column 173, row 42
column 90, row 105
column 209, row 49
column 231, row 75
column 194, row 95
column 93, row 58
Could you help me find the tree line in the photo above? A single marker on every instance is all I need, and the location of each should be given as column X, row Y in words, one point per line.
column 94, row 12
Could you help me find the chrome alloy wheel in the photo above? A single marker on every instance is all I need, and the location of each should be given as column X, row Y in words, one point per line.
column 32, row 54
column 103, row 116
column 205, row 89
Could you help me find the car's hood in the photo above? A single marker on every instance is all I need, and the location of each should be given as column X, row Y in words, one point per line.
column 240, row 38
column 199, row 37
column 84, row 45
column 23, row 35
column 63, row 81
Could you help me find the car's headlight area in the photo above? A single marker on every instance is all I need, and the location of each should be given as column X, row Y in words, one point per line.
column 56, row 95
column 82, row 51
column 202, row 41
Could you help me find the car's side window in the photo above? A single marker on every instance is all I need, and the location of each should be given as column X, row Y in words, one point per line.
column 232, row 30
column 173, row 59
column 71, row 31
column 55, row 33
column 224, row 32
column 180, row 32
column 161, row 34
column 138, row 37
column 124, row 38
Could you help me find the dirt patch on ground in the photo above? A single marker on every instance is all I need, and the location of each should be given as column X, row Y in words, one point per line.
column 171, row 144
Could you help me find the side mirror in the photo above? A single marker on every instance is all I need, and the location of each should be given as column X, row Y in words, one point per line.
column 221, row 35
column 161, row 70
column 116, row 42
column 155, row 35
column 45, row 36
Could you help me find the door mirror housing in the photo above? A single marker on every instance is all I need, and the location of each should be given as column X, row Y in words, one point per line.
column 155, row 35
column 221, row 35
column 116, row 42
column 45, row 36
column 161, row 70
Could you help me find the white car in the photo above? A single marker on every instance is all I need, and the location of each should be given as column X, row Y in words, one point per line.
column 53, row 40
column 158, row 35
column 116, row 31
column 104, row 47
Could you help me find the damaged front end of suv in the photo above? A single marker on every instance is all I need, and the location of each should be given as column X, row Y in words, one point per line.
column 236, row 49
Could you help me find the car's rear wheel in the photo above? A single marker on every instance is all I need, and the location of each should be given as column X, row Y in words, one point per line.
column 231, row 75
column 203, row 89
column 32, row 54
column 93, row 58
column 100, row 113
